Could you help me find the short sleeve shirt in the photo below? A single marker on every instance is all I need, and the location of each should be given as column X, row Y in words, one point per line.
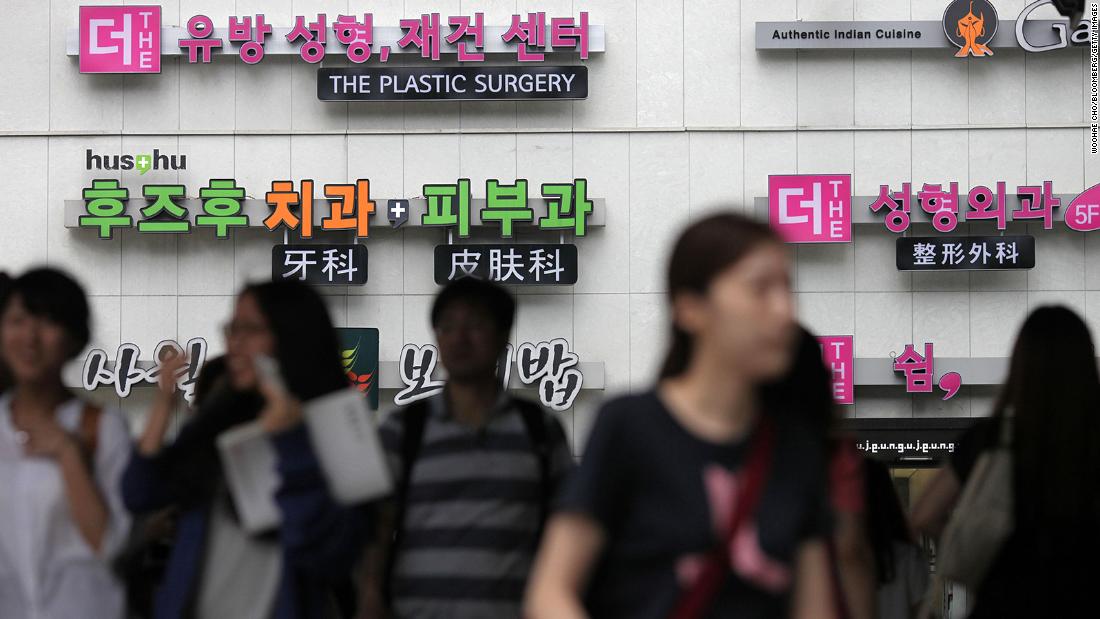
column 663, row 497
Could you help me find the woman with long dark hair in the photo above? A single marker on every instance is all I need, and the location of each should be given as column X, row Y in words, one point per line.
column 217, row 569
column 61, row 516
column 692, row 499
column 804, row 395
column 901, row 570
column 1052, row 394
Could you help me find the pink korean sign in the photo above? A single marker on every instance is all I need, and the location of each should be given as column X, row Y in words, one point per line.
column 811, row 208
column 119, row 39
column 837, row 352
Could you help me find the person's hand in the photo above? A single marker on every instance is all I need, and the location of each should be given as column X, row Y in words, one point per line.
column 170, row 365
column 281, row 411
column 45, row 438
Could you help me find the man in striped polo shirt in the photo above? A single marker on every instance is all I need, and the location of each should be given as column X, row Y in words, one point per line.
column 475, row 471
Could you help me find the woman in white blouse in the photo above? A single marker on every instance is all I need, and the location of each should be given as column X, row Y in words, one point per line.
column 61, row 517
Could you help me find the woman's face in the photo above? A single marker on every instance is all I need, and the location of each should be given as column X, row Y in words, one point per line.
column 34, row 348
column 746, row 318
column 246, row 336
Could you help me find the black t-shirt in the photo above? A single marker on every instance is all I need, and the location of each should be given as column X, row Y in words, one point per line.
column 658, row 492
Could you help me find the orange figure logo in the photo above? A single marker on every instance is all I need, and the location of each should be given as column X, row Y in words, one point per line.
column 966, row 26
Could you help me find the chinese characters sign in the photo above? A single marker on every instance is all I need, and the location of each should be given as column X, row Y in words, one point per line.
column 551, row 367
column 811, row 208
column 508, row 264
column 125, row 372
column 466, row 38
column 359, row 354
column 325, row 265
column 452, row 83
column 965, row 253
column 119, row 39
column 919, row 371
column 838, row 353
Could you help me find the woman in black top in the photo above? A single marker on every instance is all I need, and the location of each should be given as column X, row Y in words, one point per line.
column 649, row 511
column 1053, row 394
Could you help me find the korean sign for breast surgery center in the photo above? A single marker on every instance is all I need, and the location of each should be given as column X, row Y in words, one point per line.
column 969, row 28
column 131, row 39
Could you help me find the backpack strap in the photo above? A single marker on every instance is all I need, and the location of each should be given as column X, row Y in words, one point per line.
column 413, row 420
column 88, row 430
column 534, row 422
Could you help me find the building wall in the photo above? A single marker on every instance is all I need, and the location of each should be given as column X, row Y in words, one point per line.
column 684, row 116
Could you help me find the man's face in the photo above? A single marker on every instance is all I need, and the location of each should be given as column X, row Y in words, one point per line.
column 469, row 343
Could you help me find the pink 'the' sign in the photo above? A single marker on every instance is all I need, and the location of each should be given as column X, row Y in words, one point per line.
column 120, row 39
column 811, row 208
column 837, row 352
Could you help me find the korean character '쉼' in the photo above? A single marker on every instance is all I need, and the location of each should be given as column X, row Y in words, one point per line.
column 162, row 199
column 506, row 204
column 442, row 201
column 899, row 204
column 918, row 369
column 567, row 206
column 351, row 207
column 221, row 206
column 200, row 27
column 105, row 203
column 252, row 35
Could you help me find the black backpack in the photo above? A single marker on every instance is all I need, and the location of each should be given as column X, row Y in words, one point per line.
column 413, row 420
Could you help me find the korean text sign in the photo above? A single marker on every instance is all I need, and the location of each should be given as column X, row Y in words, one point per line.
column 119, row 39
column 811, row 208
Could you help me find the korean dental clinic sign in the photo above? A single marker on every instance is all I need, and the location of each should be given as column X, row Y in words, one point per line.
column 968, row 28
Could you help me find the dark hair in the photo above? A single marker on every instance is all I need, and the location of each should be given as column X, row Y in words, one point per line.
column 804, row 392
column 5, row 284
column 494, row 299
column 704, row 250
column 51, row 294
column 306, row 345
column 213, row 372
column 1053, row 392
column 886, row 522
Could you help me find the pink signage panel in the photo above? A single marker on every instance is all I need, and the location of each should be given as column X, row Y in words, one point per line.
column 838, row 353
column 119, row 39
column 811, row 208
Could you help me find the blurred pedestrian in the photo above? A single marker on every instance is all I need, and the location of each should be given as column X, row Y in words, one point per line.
column 61, row 516
column 804, row 394
column 901, row 569
column 217, row 569
column 476, row 469
column 692, row 499
column 1051, row 405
